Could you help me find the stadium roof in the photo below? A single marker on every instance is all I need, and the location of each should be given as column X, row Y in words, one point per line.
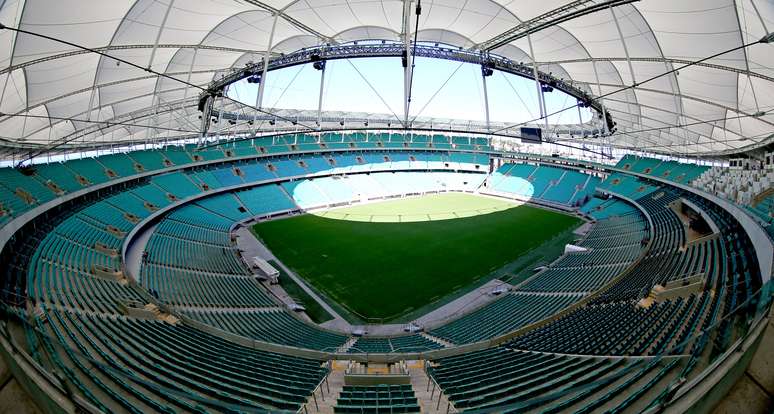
column 710, row 108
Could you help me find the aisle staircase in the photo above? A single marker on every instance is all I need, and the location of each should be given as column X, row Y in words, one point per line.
column 442, row 342
column 579, row 189
column 345, row 347
column 429, row 396
column 324, row 397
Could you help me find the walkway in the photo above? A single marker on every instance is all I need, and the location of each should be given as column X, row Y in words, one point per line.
column 250, row 247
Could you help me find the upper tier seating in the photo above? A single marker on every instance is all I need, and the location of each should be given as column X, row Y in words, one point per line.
column 176, row 183
column 120, row 164
column 90, row 169
column 750, row 187
column 548, row 184
column 19, row 193
column 669, row 170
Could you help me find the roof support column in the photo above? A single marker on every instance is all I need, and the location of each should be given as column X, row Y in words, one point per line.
column 17, row 19
column 155, row 101
column 623, row 43
column 747, row 63
column 185, row 91
column 320, row 98
column 158, row 33
column 266, row 57
column 190, row 71
column 406, row 61
column 540, row 97
column 486, row 95
column 220, row 114
column 626, row 52
column 601, row 101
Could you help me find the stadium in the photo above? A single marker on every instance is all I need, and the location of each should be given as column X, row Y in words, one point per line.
column 386, row 206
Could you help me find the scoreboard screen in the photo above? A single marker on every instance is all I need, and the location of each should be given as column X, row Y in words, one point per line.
column 531, row 135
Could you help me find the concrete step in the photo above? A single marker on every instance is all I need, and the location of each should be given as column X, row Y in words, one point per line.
column 345, row 347
column 324, row 398
column 429, row 396
column 437, row 340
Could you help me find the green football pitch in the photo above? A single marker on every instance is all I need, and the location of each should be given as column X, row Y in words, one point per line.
column 383, row 260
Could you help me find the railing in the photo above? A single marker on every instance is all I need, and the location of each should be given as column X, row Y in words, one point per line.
column 431, row 382
column 303, row 407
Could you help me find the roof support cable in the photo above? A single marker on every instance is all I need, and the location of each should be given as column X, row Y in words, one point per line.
column 518, row 95
column 766, row 39
column 436, row 93
column 132, row 64
column 279, row 98
column 373, row 89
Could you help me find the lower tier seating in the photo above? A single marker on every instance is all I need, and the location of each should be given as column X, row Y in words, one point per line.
column 271, row 325
column 506, row 314
column 621, row 328
column 124, row 364
column 505, row 380
column 406, row 343
column 191, row 288
column 356, row 399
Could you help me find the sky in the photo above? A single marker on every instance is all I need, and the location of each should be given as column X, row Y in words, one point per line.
column 440, row 88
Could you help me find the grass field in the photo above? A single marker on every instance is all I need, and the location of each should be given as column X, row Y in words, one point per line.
column 387, row 269
column 431, row 207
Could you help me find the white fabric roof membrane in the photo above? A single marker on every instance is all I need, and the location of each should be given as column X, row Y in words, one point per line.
column 705, row 109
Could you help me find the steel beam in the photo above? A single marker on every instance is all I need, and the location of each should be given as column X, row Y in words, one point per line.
column 396, row 49
column 569, row 11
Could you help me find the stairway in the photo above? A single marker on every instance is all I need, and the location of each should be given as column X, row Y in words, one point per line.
column 345, row 347
column 579, row 189
column 429, row 396
column 532, row 174
column 758, row 198
column 324, row 398
column 440, row 341
column 552, row 184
